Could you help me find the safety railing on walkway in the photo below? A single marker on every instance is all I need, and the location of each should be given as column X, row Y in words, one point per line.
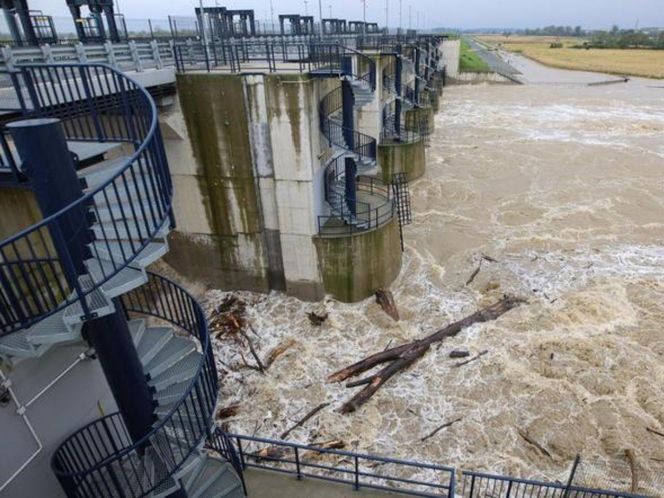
column 480, row 485
column 355, row 469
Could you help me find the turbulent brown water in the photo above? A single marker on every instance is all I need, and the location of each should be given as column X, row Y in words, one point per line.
column 562, row 184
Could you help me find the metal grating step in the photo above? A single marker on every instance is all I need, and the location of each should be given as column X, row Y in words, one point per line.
column 137, row 329
column 172, row 352
column 124, row 281
column 103, row 171
column 183, row 370
column 17, row 345
column 87, row 151
column 52, row 330
column 160, row 475
column 121, row 250
column 120, row 231
column 98, row 304
column 152, row 341
column 171, row 393
column 216, row 479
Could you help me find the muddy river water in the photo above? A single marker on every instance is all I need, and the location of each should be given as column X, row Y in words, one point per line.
column 562, row 184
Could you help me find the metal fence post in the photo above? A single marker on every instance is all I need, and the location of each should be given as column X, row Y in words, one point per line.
column 297, row 464
column 570, row 481
column 357, row 474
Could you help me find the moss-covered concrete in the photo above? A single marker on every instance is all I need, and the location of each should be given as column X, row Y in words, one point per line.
column 401, row 157
column 413, row 117
column 355, row 266
column 213, row 106
column 19, row 211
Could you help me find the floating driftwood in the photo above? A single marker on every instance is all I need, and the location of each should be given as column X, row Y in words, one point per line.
column 317, row 319
column 474, row 358
column 385, row 299
column 440, row 428
column 402, row 357
column 300, row 422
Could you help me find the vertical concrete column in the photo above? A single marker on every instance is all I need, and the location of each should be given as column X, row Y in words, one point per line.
column 417, row 73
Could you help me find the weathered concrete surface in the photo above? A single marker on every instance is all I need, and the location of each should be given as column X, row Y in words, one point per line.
column 19, row 209
column 267, row 484
column 294, row 134
column 424, row 115
column 450, row 59
column 466, row 78
column 217, row 202
column 401, row 157
column 355, row 266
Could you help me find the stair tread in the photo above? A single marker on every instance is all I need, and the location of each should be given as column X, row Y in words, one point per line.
column 174, row 350
column 136, row 329
column 153, row 339
column 184, row 369
column 117, row 251
column 125, row 280
column 86, row 150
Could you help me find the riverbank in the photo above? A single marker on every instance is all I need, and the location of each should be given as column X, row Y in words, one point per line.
column 628, row 62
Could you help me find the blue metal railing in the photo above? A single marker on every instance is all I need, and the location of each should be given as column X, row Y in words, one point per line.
column 480, row 485
column 100, row 459
column 94, row 103
column 353, row 469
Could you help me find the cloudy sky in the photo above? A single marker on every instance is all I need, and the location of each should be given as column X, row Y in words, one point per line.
column 461, row 14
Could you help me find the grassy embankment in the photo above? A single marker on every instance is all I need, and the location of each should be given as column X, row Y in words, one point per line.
column 633, row 62
column 469, row 61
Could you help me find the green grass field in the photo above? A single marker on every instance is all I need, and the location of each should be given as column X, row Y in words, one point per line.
column 469, row 61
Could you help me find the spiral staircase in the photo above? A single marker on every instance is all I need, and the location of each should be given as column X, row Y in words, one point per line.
column 365, row 203
column 47, row 295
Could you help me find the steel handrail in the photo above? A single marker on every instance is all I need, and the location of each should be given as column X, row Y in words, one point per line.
column 201, row 334
column 161, row 194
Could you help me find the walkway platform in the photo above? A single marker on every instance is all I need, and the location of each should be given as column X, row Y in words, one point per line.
column 268, row 484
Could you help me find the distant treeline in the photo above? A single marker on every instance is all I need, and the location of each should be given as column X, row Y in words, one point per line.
column 556, row 31
column 626, row 38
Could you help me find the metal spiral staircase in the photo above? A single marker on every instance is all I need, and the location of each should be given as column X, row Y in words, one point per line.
column 88, row 260
column 363, row 201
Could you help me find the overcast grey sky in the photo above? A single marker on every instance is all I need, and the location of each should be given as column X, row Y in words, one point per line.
column 459, row 13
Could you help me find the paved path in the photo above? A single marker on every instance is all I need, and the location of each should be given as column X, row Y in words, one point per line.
column 266, row 484
column 495, row 63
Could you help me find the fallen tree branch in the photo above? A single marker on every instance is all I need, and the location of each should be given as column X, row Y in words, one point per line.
column 280, row 349
column 401, row 357
column 439, row 428
column 309, row 414
column 259, row 363
column 474, row 358
column 531, row 441
column 475, row 273
column 653, row 431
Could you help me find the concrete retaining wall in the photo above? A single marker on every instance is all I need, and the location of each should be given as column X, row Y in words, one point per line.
column 451, row 54
column 467, row 78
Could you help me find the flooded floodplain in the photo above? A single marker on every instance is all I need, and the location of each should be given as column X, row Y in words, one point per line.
column 562, row 185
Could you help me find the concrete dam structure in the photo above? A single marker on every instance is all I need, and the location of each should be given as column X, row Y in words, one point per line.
column 285, row 178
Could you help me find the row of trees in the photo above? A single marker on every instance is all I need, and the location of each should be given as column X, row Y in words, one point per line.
column 626, row 38
column 577, row 31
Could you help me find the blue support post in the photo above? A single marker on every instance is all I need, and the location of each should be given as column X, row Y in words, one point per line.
column 48, row 164
column 110, row 337
column 398, row 70
column 351, row 187
column 348, row 101
column 417, row 74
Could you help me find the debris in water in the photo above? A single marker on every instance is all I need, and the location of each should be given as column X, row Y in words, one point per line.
column 474, row 358
column 386, row 301
column 531, row 441
column 229, row 317
column 459, row 353
column 402, row 357
column 317, row 319
column 300, row 422
column 279, row 349
column 441, row 427
column 228, row 411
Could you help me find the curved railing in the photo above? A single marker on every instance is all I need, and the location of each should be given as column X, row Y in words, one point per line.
column 100, row 459
column 334, row 58
column 339, row 135
column 41, row 272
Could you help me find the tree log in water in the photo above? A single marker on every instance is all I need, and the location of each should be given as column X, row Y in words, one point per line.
column 402, row 357
column 386, row 301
